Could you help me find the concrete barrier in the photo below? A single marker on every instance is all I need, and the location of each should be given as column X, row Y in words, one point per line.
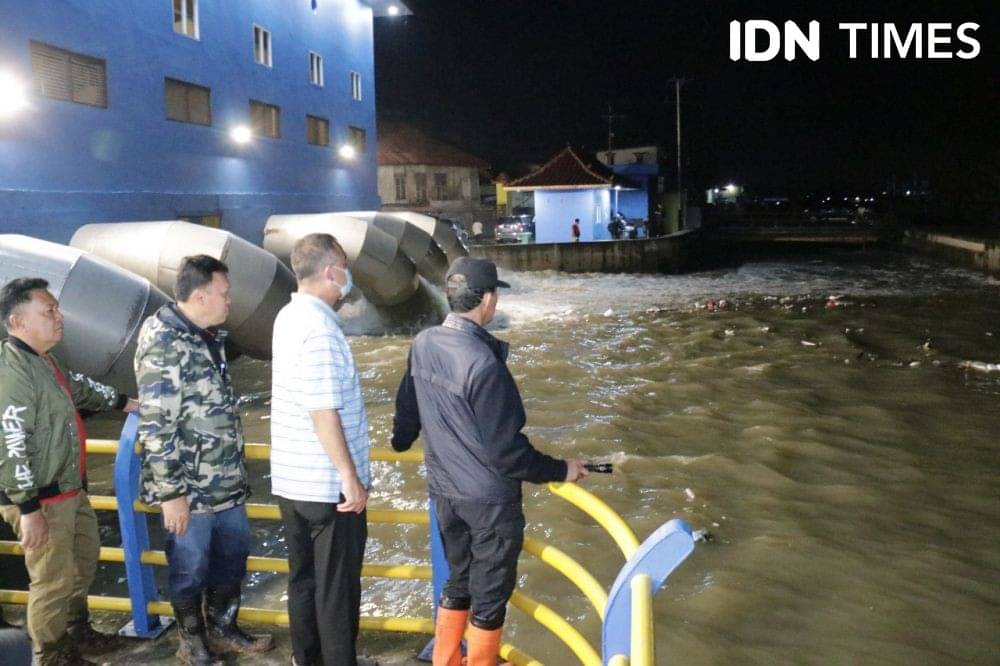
column 981, row 254
column 675, row 253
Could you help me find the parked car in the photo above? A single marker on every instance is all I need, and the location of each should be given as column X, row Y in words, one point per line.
column 510, row 229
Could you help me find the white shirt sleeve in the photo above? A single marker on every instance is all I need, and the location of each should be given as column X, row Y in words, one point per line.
column 321, row 367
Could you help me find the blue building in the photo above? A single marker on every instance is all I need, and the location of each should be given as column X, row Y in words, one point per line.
column 642, row 166
column 215, row 111
column 567, row 187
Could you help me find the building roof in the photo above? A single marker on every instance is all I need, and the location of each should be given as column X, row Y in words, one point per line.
column 568, row 171
column 402, row 144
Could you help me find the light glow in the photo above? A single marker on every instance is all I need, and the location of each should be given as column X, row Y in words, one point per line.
column 241, row 134
column 13, row 96
column 347, row 151
column 393, row 10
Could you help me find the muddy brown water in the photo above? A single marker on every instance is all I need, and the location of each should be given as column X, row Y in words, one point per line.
column 842, row 453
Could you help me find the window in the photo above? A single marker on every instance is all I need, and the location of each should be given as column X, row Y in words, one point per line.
column 317, row 131
column 188, row 103
column 356, row 138
column 213, row 220
column 440, row 186
column 640, row 158
column 316, row 69
column 69, row 76
column 265, row 119
column 261, row 46
column 400, row 179
column 186, row 18
column 420, row 181
column 355, row 86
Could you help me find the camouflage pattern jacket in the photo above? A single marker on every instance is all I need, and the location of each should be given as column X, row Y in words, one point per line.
column 40, row 441
column 189, row 430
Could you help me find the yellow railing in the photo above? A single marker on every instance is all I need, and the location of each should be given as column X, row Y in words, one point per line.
column 595, row 593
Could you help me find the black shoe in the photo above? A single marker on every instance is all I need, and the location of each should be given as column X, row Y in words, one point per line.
column 224, row 635
column 91, row 642
column 193, row 649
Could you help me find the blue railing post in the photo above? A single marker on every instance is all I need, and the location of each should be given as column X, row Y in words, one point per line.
column 439, row 573
column 657, row 557
column 135, row 537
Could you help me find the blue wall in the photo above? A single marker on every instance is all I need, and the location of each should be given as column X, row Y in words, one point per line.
column 64, row 164
column 636, row 203
column 555, row 211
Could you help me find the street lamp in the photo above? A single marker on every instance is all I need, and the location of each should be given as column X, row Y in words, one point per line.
column 241, row 134
column 393, row 10
column 347, row 151
column 13, row 97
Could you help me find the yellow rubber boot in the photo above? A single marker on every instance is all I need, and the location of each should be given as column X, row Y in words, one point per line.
column 448, row 632
column 484, row 646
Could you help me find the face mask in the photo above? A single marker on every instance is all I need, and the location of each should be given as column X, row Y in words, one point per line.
column 345, row 288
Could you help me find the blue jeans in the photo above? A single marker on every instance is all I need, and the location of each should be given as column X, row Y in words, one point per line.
column 213, row 552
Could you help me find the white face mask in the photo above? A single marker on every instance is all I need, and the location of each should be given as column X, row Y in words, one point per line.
column 345, row 288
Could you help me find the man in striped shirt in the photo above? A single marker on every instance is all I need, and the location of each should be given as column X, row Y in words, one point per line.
column 319, row 457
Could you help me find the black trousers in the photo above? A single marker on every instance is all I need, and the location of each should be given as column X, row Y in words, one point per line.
column 325, row 552
column 482, row 543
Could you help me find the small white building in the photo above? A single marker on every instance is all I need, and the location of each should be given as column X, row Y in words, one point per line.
column 420, row 173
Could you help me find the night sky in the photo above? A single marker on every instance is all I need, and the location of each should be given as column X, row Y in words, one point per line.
column 515, row 80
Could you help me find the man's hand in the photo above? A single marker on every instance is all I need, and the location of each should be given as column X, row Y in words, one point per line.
column 575, row 469
column 176, row 515
column 132, row 406
column 34, row 530
column 355, row 496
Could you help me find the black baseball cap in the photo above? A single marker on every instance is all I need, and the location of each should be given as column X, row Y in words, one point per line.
column 478, row 273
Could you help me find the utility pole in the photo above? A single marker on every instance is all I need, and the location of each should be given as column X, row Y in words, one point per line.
column 678, row 82
column 611, row 117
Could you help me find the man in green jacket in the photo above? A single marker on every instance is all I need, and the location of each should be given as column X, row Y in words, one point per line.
column 193, row 466
column 43, row 477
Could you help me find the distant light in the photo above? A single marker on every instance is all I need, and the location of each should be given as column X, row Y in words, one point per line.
column 241, row 134
column 716, row 190
column 347, row 151
column 13, row 96
column 393, row 10
column 618, row 187
column 907, row 193
column 857, row 198
column 730, row 188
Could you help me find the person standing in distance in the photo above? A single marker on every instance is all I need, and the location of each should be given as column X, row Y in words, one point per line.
column 458, row 391
column 319, row 457
column 193, row 465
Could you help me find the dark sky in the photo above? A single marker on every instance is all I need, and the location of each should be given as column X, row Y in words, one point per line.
column 515, row 80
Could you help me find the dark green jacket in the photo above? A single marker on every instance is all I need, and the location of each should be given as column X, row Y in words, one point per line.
column 40, row 446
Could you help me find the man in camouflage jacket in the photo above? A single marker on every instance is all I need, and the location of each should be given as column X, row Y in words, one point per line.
column 193, row 464
column 43, row 478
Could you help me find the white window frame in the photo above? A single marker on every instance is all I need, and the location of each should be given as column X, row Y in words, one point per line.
column 264, row 48
column 356, row 86
column 316, row 69
column 399, row 182
column 185, row 19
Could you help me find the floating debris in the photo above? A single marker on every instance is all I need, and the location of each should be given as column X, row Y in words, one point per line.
column 809, row 343
column 608, row 312
column 703, row 536
column 689, row 493
column 979, row 366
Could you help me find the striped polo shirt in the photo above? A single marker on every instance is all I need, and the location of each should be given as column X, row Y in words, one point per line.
column 312, row 369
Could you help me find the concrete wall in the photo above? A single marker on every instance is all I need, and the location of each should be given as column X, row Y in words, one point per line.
column 667, row 254
column 463, row 203
column 64, row 164
column 555, row 211
column 979, row 254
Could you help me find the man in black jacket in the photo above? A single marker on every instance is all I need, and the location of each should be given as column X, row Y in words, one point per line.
column 457, row 388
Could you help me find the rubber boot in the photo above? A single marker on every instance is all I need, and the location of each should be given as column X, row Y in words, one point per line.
column 224, row 635
column 484, row 646
column 193, row 649
column 61, row 653
column 89, row 641
column 448, row 631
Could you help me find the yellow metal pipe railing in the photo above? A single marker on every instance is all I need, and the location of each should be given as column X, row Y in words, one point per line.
column 572, row 569
column 597, row 509
column 549, row 619
column 642, row 621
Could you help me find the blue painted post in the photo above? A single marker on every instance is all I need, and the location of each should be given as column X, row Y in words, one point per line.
column 439, row 573
column 657, row 557
column 135, row 537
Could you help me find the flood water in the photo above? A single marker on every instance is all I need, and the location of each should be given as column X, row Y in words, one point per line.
column 843, row 455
